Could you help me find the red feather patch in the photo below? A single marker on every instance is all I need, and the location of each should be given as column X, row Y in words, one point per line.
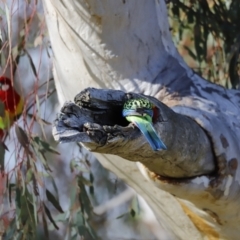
column 10, row 97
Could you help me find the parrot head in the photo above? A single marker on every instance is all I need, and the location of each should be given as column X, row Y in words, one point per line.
column 139, row 107
column 8, row 95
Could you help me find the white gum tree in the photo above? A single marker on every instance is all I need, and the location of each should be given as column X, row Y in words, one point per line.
column 193, row 186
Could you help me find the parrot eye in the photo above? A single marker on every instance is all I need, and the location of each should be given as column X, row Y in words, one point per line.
column 4, row 86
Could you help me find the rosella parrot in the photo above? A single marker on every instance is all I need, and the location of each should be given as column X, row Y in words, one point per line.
column 141, row 112
column 13, row 105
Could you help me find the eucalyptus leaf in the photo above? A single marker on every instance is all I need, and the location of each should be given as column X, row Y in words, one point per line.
column 49, row 215
column 22, row 136
column 51, row 198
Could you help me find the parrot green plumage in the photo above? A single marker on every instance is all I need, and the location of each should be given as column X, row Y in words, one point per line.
column 140, row 112
column 11, row 105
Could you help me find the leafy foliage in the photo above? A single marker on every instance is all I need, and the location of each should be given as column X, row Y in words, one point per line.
column 29, row 198
column 207, row 35
column 33, row 209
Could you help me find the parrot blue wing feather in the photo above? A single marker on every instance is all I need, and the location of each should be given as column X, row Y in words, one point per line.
column 155, row 138
column 140, row 112
column 142, row 127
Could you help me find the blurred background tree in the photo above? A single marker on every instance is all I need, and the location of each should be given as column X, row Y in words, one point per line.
column 206, row 33
column 45, row 194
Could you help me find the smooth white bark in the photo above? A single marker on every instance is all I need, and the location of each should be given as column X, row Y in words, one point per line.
column 126, row 45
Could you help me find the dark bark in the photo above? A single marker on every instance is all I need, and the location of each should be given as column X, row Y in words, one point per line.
column 96, row 121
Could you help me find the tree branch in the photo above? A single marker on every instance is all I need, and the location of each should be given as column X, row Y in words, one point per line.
column 108, row 44
column 96, row 120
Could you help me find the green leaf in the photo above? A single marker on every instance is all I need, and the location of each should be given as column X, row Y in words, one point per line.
column 8, row 21
column 82, row 230
column 54, row 186
column 91, row 231
column 122, row 215
column 61, row 217
column 11, row 230
column 190, row 52
column 233, row 70
column 32, row 64
column 43, row 159
column 18, row 198
column 28, row 210
column 29, row 176
column 84, row 181
column 91, row 177
column 175, row 10
column 34, row 203
column 44, row 146
column 22, row 136
column 45, row 225
column 91, row 188
column 80, row 222
column 74, row 164
column 83, row 198
column 79, row 218
column 51, row 198
column 2, row 154
column 132, row 213
column 83, row 227
column 75, row 237
column 10, row 189
column 73, row 193
column 135, row 208
column 198, row 42
column 15, row 52
column 48, row 213
column 2, row 109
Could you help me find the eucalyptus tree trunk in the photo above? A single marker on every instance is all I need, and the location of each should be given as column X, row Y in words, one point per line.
column 126, row 45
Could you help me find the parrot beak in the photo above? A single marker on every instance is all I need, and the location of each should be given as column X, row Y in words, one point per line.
column 137, row 112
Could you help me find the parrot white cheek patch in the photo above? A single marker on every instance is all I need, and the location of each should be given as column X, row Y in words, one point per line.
column 5, row 87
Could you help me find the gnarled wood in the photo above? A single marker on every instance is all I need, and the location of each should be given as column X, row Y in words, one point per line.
column 96, row 120
column 127, row 45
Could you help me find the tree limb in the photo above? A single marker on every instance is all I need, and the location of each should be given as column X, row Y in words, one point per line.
column 96, row 120
column 108, row 44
